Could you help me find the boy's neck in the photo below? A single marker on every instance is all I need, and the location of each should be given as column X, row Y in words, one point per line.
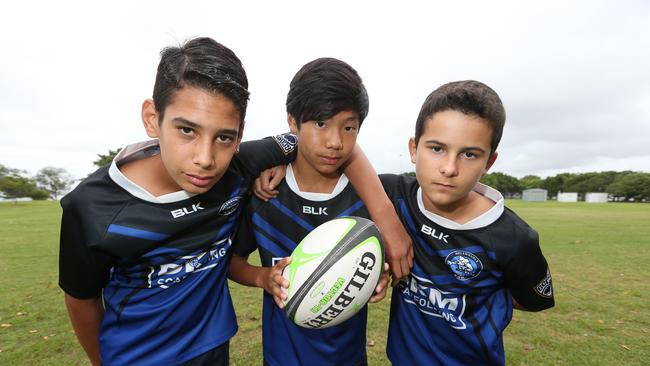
column 464, row 210
column 150, row 174
column 309, row 179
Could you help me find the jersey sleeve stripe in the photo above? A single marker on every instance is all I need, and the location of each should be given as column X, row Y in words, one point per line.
column 136, row 233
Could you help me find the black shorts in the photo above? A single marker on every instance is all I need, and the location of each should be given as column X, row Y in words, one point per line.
column 362, row 362
column 219, row 356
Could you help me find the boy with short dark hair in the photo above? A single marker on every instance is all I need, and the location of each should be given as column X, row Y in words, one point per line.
column 474, row 258
column 145, row 242
column 326, row 105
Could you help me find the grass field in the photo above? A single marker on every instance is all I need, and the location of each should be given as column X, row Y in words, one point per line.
column 599, row 256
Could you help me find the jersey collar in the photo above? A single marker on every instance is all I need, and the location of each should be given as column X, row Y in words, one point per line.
column 141, row 150
column 290, row 178
column 485, row 219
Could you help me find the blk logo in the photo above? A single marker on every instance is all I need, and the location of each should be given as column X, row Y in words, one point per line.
column 186, row 211
column 314, row 210
column 433, row 233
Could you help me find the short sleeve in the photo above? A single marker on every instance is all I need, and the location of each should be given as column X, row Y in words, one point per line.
column 527, row 274
column 398, row 187
column 245, row 243
column 83, row 272
column 258, row 155
column 390, row 182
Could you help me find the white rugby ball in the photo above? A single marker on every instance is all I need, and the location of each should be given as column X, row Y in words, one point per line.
column 333, row 272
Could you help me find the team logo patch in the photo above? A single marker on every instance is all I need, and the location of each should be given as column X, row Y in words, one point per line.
column 465, row 265
column 229, row 206
column 287, row 142
column 545, row 287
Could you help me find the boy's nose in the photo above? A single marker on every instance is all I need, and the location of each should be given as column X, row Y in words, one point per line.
column 334, row 140
column 449, row 167
column 204, row 154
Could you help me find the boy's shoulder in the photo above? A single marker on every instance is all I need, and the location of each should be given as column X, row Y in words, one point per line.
column 101, row 187
column 399, row 185
column 404, row 178
column 512, row 224
column 96, row 188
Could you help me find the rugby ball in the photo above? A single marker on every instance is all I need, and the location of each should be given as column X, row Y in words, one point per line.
column 333, row 272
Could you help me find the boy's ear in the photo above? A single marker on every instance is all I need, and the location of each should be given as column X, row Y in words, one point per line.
column 150, row 118
column 293, row 126
column 491, row 160
column 412, row 149
column 241, row 131
column 240, row 135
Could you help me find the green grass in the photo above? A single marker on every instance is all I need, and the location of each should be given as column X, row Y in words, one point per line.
column 599, row 256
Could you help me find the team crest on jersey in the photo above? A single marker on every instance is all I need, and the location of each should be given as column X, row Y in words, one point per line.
column 230, row 206
column 428, row 299
column 465, row 265
column 545, row 287
column 287, row 142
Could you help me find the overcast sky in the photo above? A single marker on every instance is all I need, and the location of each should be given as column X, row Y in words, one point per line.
column 574, row 75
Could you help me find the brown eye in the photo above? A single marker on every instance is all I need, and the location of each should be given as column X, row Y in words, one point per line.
column 186, row 130
column 224, row 139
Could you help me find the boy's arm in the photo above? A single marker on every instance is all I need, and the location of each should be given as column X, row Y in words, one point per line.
column 265, row 185
column 268, row 278
column 527, row 274
column 516, row 305
column 82, row 275
column 382, row 286
column 363, row 177
column 86, row 316
column 258, row 155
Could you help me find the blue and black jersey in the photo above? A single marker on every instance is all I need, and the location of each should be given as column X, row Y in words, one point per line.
column 454, row 306
column 160, row 263
column 275, row 228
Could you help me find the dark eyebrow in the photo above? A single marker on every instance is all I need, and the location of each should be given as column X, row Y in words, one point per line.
column 188, row 123
column 467, row 148
column 435, row 142
column 196, row 126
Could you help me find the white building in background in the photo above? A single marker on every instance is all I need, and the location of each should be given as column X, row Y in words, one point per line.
column 567, row 196
column 18, row 199
column 534, row 195
column 596, row 197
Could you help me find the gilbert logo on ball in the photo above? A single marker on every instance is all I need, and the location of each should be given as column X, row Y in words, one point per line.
column 333, row 272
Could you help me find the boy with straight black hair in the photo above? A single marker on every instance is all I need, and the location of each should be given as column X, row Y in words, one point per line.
column 145, row 241
column 474, row 258
column 326, row 105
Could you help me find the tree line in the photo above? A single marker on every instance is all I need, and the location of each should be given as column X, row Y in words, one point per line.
column 51, row 182
column 48, row 183
column 624, row 186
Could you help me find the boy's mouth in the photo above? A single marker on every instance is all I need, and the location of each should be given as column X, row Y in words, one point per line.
column 330, row 160
column 199, row 180
column 443, row 185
